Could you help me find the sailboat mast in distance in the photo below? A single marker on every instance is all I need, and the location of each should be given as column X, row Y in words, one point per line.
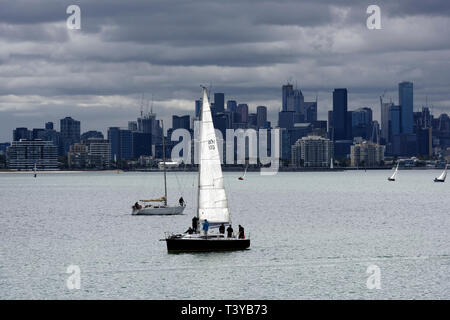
column 164, row 163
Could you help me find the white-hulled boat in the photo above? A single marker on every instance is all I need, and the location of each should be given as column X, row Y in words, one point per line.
column 443, row 175
column 155, row 207
column 212, row 199
column 394, row 175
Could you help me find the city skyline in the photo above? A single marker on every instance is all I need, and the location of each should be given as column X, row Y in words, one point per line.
column 99, row 72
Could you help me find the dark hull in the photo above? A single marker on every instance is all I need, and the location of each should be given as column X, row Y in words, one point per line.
column 205, row 245
column 437, row 180
column 389, row 179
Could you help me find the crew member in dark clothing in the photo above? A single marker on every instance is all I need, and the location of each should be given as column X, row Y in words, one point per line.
column 222, row 229
column 190, row 230
column 241, row 232
column 229, row 231
column 194, row 224
column 181, row 201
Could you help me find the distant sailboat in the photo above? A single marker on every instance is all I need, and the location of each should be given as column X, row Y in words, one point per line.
column 394, row 175
column 161, row 208
column 245, row 172
column 443, row 175
column 35, row 170
column 331, row 164
column 212, row 199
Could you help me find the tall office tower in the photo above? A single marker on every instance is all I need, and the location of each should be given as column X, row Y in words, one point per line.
column 198, row 107
column 394, row 122
column 242, row 110
column 253, row 120
column 21, row 133
column 340, row 114
column 231, row 105
column 142, row 144
column 286, row 119
column 121, row 143
column 261, row 116
column 310, row 111
column 182, row 122
column 70, row 133
column 219, row 102
column 38, row 134
column 297, row 102
column 132, row 126
column 49, row 126
column 405, row 100
column 287, row 91
column 330, row 125
column 361, row 123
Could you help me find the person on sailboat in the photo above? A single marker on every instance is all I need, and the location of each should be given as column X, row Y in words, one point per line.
column 181, row 201
column 222, row 229
column 194, row 224
column 206, row 226
column 229, row 231
column 241, row 232
column 189, row 231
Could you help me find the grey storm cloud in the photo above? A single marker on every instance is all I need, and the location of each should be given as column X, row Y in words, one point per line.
column 244, row 48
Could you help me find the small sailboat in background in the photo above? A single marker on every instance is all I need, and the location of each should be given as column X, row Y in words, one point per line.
column 161, row 208
column 394, row 175
column 245, row 172
column 443, row 175
column 35, row 170
column 331, row 163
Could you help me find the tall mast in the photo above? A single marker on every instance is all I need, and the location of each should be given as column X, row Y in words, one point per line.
column 164, row 164
column 199, row 144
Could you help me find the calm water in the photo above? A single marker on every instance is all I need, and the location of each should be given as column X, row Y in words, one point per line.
column 313, row 237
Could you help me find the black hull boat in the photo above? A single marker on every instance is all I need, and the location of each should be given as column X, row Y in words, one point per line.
column 212, row 203
column 182, row 243
column 438, row 180
column 390, row 179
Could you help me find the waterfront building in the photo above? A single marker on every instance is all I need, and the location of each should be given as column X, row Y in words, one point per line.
column 23, row 154
column 367, row 154
column 312, row 151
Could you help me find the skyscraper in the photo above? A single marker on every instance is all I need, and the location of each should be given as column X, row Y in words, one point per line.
column 405, row 100
column 198, row 107
column 340, row 114
column 70, row 132
column 231, row 105
column 261, row 116
column 242, row 110
column 287, row 91
column 219, row 102
column 183, row 122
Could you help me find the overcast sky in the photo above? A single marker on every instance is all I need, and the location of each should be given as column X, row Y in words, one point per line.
column 246, row 49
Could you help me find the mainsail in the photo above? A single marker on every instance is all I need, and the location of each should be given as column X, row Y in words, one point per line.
column 443, row 174
column 212, row 199
column 395, row 172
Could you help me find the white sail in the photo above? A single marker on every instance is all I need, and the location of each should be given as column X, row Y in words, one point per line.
column 443, row 174
column 395, row 172
column 212, row 200
column 331, row 163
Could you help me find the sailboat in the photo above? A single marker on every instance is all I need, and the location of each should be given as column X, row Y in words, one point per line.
column 35, row 170
column 159, row 206
column 331, row 164
column 212, row 199
column 443, row 175
column 245, row 172
column 392, row 178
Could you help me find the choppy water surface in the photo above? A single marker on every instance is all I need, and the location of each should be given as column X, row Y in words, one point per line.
column 313, row 236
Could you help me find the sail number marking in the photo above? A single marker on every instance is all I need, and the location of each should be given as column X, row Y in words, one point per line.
column 212, row 144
